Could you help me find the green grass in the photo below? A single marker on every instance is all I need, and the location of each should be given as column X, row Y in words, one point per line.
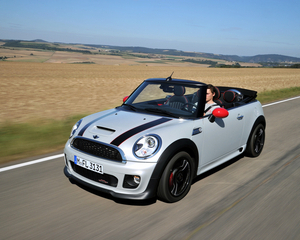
column 21, row 140
column 270, row 96
column 37, row 60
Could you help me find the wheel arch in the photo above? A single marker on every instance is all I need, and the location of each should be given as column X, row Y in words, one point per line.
column 180, row 145
column 260, row 120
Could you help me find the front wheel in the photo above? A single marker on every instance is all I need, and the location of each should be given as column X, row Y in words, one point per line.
column 176, row 179
column 256, row 141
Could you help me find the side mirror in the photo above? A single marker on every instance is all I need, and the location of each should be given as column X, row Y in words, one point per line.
column 125, row 98
column 218, row 113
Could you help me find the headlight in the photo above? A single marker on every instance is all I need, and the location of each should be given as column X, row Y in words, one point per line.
column 146, row 146
column 75, row 127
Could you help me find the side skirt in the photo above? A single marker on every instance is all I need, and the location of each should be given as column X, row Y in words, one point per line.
column 221, row 160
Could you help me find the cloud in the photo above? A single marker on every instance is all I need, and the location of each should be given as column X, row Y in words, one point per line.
column 12, row 25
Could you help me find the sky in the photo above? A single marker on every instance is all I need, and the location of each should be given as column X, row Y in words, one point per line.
column 243, row 28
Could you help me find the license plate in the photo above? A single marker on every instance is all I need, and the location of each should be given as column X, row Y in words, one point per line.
column 88, row 164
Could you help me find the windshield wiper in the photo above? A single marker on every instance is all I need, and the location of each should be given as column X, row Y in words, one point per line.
column 130, row 106
column 157, row 110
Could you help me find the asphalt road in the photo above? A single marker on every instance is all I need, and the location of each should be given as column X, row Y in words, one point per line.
column 245, row 199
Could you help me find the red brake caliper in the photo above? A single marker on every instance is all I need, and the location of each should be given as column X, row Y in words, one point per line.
column 171, row 179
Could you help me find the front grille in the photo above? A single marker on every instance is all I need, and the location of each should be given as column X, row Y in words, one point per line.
column 97, row 149
column 97, row 177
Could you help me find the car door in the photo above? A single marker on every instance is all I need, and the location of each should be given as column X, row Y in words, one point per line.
column 219, row 139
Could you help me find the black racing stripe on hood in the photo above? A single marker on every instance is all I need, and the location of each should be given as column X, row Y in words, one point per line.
column 90, row 123
column 118, row 140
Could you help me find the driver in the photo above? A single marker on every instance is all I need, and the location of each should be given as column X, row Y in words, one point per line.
column 210, row 104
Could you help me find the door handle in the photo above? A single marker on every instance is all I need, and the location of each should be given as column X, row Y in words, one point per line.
column 240, row 117
column 197, row 131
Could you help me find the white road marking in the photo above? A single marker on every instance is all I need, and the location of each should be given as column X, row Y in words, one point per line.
column 31, row 162
column 286, row 100
column 61, row 155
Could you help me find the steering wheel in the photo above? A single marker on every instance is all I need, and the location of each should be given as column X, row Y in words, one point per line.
column 186, row 107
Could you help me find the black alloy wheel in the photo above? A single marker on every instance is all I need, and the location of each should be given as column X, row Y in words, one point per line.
column 176, row 180
column 256, row 141
column 259, row 140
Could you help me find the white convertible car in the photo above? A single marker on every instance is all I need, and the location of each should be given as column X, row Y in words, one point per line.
column 159, row 139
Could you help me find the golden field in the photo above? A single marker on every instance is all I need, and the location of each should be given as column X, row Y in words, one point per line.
column 42, row 56
column 55, row 91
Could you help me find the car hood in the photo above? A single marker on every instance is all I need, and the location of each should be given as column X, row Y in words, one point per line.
column 116, row 126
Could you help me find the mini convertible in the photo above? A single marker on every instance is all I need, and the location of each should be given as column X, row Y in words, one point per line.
column 160, row 139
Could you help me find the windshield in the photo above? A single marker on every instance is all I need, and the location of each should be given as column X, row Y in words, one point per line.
column 165, row 98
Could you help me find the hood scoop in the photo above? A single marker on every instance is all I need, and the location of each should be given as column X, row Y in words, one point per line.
column 103, row 130
column 106, row 129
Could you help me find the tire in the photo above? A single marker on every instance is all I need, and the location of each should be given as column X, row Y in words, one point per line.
column 176, row 179
column 256, row 141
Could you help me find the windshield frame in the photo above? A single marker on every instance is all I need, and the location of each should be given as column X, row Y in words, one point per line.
column 160, row 109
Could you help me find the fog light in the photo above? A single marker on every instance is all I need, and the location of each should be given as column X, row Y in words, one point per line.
column 136, row 179
column 131, row 181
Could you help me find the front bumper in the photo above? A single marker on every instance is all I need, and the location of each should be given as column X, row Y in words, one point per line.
column 149, row 193
column 115, row 170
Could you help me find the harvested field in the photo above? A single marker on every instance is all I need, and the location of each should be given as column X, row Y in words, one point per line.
column 44, row 56
column 56, row 91
column 26, row 55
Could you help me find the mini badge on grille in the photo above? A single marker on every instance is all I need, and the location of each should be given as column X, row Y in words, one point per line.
column 95, row 136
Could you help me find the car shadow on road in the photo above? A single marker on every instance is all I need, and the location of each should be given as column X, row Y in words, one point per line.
column 218, row 168
column 109, row 197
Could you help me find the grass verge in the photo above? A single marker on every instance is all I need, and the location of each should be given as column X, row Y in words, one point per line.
column 21, row 140
column 275, row 95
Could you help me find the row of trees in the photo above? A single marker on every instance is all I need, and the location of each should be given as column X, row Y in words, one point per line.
column 295, row 65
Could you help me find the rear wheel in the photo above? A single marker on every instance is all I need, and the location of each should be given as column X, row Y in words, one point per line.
column 256, row 141
column 176, row 179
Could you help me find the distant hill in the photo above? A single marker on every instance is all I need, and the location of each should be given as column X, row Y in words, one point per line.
column 266, row 58
column 260, row 58
column 174, row 52
column 38, row 40
column 40, row 45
